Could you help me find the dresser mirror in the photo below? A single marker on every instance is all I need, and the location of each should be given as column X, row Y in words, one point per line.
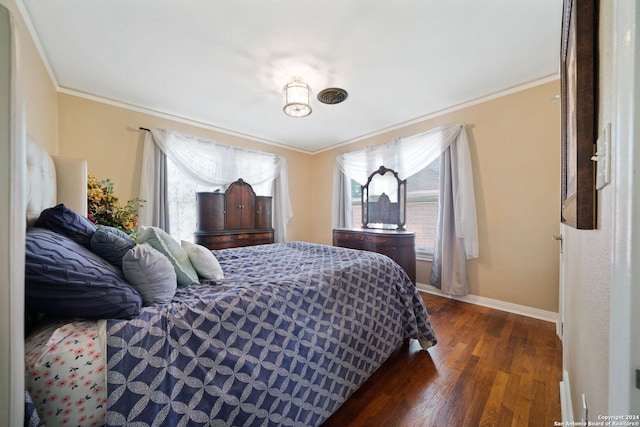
column 384, row 199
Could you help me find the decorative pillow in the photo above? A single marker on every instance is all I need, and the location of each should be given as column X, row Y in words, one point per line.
column 111, row 244
column 203, row 260
column 168, row 246
column 66, row 374
column 151, row 273
column 63, row 278
column 64, row 221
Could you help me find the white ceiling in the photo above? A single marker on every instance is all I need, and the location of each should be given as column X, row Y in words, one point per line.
column 224, row 63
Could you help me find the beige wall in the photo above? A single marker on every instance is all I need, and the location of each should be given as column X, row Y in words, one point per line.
column 106, row 136
column 40, row 92
column 515, row 149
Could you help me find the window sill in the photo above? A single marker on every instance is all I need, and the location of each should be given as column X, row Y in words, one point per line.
column 424, row 256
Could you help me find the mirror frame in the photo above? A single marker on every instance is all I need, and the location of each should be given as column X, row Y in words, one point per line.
column 401, row 217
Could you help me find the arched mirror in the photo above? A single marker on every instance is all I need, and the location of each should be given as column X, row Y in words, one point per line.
column 384, row 199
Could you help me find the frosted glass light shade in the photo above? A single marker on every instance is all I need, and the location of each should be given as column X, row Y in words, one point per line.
column 296, row 98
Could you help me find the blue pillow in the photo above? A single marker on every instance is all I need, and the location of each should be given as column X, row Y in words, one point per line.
column 65, row 279
column 151, row 273
column 111, row 244
column 64, row 221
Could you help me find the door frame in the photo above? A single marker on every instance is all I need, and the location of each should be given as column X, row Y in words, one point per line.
column 12, row 225
column 624, row 344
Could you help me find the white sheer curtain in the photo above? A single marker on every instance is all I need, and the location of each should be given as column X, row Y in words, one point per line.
column 408, row 156
column 212, row 164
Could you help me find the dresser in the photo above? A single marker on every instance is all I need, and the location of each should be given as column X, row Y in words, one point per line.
column 399, row 245
column 233, row 218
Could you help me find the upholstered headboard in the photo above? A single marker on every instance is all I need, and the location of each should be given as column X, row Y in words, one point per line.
column 52, row 180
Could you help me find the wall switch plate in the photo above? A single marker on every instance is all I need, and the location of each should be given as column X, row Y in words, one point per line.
column 603, row 157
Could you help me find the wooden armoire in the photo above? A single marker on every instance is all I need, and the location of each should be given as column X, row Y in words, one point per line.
column 235, row 217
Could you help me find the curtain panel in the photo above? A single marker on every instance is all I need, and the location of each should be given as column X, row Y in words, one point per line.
column 407, row 156
column 212, row 164
column 153, row 186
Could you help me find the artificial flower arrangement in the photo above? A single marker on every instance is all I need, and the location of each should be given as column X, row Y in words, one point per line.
column 105, row 209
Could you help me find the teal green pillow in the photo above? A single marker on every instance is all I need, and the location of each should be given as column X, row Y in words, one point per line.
column 169, row 247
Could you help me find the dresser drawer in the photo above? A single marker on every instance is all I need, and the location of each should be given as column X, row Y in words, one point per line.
column 363, row 239
column 267, row 237
column 227, row 239
column 342, row 235
column 380, row 240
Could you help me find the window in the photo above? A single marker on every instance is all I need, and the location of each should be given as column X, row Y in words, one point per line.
column 409, row 157
column 181, row 194
column 423, row 189
column 205, row 165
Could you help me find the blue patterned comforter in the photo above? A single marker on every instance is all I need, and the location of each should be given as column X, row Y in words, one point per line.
column 284, row 340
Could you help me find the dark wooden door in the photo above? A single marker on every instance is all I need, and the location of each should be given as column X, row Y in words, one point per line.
column 240, row 206
column 263, row 212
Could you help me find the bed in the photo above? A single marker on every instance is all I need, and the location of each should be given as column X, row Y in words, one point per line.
column 268, row 335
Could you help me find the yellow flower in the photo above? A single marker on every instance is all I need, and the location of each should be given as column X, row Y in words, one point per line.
column 95, row 194
column 105, row 208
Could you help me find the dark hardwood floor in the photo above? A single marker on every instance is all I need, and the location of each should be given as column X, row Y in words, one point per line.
column 489, row 368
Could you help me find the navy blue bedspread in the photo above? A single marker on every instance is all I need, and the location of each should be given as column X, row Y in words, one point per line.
column 284, row 340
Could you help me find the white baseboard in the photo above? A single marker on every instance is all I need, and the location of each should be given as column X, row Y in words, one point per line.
column 523, row 310
column 565, row 399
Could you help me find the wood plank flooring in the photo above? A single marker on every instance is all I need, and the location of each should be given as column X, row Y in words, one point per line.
column 489, row 368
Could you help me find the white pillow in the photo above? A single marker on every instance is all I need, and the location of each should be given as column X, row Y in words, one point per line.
column 203, row 261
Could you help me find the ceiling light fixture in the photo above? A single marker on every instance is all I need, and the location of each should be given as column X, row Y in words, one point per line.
column 296, row 98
